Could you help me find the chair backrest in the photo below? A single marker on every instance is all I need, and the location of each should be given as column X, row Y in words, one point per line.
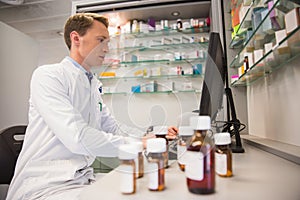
column 11, row 141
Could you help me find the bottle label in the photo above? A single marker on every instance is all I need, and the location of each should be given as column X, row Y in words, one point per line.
column 181, row 154
column 194, row 168
column 137, row 166
column 153, row 176
column 221, row 163
column 126, row 178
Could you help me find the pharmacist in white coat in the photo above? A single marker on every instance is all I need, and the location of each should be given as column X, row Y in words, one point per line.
column 69, row 125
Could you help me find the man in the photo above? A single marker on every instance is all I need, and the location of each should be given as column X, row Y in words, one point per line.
column 69, row 125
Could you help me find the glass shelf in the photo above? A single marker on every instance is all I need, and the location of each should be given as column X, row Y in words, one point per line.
column 164, row 61
column 238, row 39
column 152, row 77
column 276, row 58
column 199, row 45
column 255, row 36
column 164, row 32
column 158, row 92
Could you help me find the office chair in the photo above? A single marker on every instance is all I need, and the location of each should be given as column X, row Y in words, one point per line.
column 11, row 141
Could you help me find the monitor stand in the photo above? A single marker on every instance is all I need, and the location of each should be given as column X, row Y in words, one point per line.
column 233, row 124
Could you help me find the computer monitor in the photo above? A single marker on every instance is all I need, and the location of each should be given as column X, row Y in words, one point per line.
column 213, row 87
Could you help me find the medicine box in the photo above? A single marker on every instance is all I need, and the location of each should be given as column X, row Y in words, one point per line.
column 280, row 35
column 136, row 89
column 241, row 70
column 292, row 20
column 258, row 54
column 166, row 86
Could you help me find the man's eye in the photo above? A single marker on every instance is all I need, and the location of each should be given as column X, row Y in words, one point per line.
column 100, row 40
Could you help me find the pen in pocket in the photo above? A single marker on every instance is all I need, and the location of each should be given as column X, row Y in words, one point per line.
column 100, row 106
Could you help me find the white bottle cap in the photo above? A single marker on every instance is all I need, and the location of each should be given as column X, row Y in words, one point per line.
column 200, row 122
column 156, row 145
column 222, row 138
column 185, row 130
column 127, row 152
column 160, row 130
column 138, row 146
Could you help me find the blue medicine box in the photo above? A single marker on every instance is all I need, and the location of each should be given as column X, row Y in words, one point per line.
column 136, row 89
column 197, row 69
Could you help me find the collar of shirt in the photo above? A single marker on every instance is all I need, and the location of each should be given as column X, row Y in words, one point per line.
column 76, row 64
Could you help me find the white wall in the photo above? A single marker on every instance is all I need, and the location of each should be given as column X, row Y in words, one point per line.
column 18, row 58
column 273, row 104
column 52, row 51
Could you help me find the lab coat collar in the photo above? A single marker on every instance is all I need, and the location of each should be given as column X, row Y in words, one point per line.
column 66, row 62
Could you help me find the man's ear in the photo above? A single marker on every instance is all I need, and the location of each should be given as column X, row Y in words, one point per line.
column 75, row 38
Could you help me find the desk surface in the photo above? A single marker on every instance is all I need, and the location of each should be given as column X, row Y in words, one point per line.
column 257, row 175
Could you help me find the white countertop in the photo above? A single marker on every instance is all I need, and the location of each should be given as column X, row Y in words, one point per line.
column 257, row 175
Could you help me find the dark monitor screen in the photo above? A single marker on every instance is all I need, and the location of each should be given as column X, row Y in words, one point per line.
column 214, row 78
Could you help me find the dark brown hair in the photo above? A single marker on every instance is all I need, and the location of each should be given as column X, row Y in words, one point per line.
column 80, row 23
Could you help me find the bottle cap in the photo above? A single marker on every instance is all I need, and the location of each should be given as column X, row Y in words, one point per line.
column 156, row 145
column 160, row 130
column 160, row 133
column 200, row 122
column 222, row 138
column 127, row 152
column 185, row 130
column 138, row 146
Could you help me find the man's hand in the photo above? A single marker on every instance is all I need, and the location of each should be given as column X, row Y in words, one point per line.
column 172, row 133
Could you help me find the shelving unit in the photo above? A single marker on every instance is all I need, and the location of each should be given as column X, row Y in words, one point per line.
column 247, row 40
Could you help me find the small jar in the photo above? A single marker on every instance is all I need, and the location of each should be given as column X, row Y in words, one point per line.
column 223, row 155
column 127, row 153
column 156, row 154
column 185, row 134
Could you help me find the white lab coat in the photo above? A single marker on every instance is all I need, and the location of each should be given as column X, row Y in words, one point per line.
column 66, row 131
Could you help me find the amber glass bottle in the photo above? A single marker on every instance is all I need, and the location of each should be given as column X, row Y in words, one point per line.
column 127, row 154
column 156, row 154
column 200, row 164
column 223, row 155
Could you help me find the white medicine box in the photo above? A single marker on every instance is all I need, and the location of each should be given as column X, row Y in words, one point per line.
column 292, row 20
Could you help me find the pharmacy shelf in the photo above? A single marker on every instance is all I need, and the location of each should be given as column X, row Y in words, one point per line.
column 243, row 42
column 157, row 92
column 162, row 47
column 191, row 61
column 239, row 37
column 152, row 77
column 164, row 32
column 276, row 58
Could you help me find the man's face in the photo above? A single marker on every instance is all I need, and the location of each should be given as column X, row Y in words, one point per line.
column 94, row 45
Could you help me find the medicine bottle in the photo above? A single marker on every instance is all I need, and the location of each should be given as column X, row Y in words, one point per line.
column 139, row 160
column 200, row 165
column 223, row 155
column 156, row 153
column 127, row 153
column 163, row 134
column 185, row 134
column 179, row 25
